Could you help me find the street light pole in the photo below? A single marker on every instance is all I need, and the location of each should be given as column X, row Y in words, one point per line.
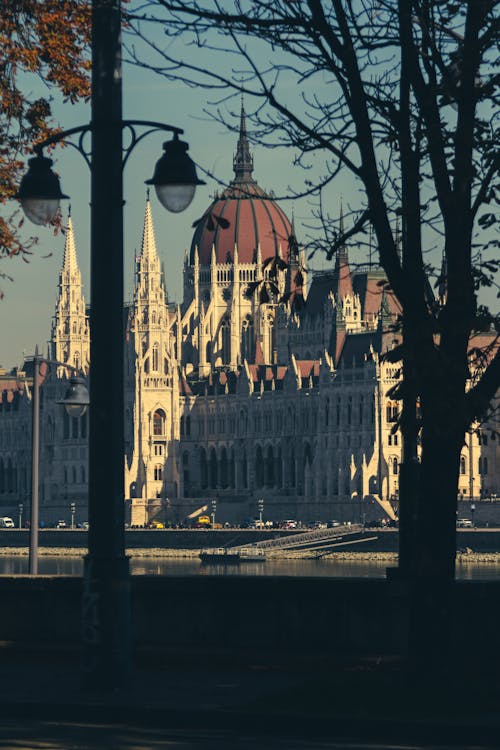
column 106, row 598
column 35, row 463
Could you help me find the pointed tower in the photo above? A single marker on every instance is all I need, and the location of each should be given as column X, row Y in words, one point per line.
column 70, row 328
column 243, row 160
column 150, row 313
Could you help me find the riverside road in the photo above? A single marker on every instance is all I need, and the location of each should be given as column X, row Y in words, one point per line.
column 378, row 539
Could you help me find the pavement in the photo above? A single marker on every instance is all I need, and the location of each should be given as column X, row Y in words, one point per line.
column 238, row 700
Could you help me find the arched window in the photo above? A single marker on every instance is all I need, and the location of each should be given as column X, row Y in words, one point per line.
column 82, row 474
column 203, row 469
column 270, row 467
column 462, row 464
column 226, row 341
column 213, row 469
column 394, row 465
column 361, row 408
column 224, row 477
column 337, row 412
column 73, row 474
column 83, row 425
column 65, row 425
column 159, row 422
column 155, row 358
column 391, row 411
column 259, row 467
column 247, row 339
column 158, row 473
column 244, row 470
column 292, row 468
column 208, row 352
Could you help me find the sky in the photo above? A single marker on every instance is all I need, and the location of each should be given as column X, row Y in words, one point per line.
column 29, row 300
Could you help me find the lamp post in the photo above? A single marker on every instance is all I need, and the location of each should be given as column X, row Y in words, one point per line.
column 261, row 510
column 75, row 402
column 214, row 508
column 72, row 508
column 20, row 508
column 106, row 631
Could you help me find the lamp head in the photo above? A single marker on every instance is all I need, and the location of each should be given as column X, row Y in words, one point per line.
column 40, row 191
column 175, row 177
column 76, row 399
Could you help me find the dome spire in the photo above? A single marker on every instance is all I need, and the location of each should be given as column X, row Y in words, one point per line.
column 243, row 161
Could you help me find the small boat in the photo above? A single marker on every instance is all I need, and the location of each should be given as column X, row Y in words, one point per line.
column 252, row 555
column 219, row 556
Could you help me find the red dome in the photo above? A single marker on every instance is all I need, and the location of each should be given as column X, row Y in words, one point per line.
column 254, row 217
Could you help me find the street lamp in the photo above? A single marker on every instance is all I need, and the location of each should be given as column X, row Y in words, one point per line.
column 75, row 401
column 214, row 508
column 72, row 508
column 21, row 508
column 106, row 626
column 261, row 510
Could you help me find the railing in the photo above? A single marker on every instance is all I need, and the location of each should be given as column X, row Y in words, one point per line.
column 308, row 537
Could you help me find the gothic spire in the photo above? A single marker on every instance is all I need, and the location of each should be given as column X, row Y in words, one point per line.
column 148, row 249
column 69, row 262
column 243, row 161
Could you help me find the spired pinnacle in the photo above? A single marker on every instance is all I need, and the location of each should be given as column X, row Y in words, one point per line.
column 243, row 161
column 148, row 249
column 69, row 261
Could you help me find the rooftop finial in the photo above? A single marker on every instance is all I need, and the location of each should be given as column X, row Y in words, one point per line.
column 243, row 161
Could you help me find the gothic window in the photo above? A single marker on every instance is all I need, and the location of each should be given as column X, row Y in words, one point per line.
column 270, row 467
column 73, row 473
column 153, row 317
column 76, row 360
column 182, row 426
column 292, row 468
column 349, row 410
column 213, row 469
column 165, row 366
column 83, row 426
column 327, row 411
column 391, row 411
column 226, row 341
column 462, row 464
column 396, row 438
column 65, row 425
column 158, row 473
column 244, row 470
column 74, row 327
column 389, row 439
column 394, row 465
column 159, row 422
column 259, row 467
column 208, row 352
column 65, row 475
column 224, row 479
column 203, row 469
column 483, row 465
column 247, row 338
column 155, row 362
column 337, row 412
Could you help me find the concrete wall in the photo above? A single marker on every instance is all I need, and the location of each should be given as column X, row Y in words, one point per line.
column 248, row 614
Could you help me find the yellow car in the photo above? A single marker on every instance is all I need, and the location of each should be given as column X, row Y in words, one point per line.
column 156, row 525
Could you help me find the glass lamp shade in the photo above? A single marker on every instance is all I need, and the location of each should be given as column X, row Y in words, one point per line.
column 40, row 191
column 175, row 198
column 76, row 399
column 40, row 211
column 175, row 177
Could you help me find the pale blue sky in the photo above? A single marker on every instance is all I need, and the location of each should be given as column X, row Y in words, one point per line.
column 28, row 305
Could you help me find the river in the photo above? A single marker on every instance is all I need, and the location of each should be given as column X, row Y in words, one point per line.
column 72, row 565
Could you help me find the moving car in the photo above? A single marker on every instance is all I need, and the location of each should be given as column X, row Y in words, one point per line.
column 464, row 523
column 6, row 523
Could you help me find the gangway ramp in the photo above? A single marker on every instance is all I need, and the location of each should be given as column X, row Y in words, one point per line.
column 310, row 539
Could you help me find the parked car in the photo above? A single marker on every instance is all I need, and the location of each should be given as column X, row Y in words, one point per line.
column 6, row 523
column 464, row 523
column 61, row 525
column 333, row 524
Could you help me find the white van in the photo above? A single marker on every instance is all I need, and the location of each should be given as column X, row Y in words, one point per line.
column 6, row 523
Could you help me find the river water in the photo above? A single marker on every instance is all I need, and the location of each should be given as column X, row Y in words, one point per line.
column 69, row 565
